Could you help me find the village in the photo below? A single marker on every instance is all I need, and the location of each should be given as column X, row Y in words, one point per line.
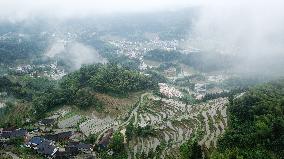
column 136, row 49
column 52, row 70
column 66, row 133
column 50, row 141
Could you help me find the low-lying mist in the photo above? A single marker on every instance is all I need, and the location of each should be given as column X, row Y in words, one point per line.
column 74, row 54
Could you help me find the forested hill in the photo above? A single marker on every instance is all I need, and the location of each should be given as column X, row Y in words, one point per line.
column 256, row 124
column 77, row 88
column 109, row 78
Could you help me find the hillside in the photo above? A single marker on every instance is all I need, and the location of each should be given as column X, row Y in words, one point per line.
column 84, row 88
column 255, row 125
column 146, row 80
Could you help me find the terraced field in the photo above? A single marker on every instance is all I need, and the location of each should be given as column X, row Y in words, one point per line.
column 175, row 123
column 95, row 125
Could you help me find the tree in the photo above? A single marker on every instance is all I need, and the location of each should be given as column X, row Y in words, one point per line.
column 191, row 149
column 84, row 99
column 117, row 144
column 256, row 124
column 129, row 131
column 145, row 131
column 91, row 139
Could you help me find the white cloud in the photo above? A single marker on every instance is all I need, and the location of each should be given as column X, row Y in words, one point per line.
column 22, row 9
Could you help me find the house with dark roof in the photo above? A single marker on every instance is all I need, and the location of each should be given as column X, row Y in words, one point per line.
column 72, row 150
column 63, row 136
column 86, row 148
column 47, row 148
column 47, row 122
column 6, row 134
column 19, row 133
column 9, row 129
column 105, row 140
column 34, row 142
column 62, row 155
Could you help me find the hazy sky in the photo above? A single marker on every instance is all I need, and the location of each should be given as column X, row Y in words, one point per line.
column 252, row 28
column 21, row 9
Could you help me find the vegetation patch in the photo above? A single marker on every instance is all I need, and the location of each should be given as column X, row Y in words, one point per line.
column 256, row 124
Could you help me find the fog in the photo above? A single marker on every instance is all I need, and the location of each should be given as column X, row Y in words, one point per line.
column 15, row 10
column 75, row 54
column 250, row 29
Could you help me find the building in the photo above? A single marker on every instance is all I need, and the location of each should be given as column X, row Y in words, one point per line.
column 34, row 142
column 105, row 140
column 47, row 148
column 10, row 133
column 47, row 122
column 63, row 136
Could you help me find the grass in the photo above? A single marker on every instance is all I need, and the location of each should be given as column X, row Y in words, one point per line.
column 21, row 108
column 83, row 119
column 114, row 106
column 68, row 115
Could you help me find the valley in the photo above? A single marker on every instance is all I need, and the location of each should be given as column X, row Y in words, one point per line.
column 135, row 86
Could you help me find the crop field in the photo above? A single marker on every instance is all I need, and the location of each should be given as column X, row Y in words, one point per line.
column 176, row 122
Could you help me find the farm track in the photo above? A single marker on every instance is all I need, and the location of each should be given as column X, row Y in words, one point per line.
column 116, row 127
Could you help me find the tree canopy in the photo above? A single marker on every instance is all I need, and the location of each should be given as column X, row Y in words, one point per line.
column 256, row 124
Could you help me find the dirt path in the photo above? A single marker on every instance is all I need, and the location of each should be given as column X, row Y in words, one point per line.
column 133, row 113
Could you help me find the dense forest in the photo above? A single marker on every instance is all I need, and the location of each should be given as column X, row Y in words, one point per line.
column 109, row 78
column 256, row 124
